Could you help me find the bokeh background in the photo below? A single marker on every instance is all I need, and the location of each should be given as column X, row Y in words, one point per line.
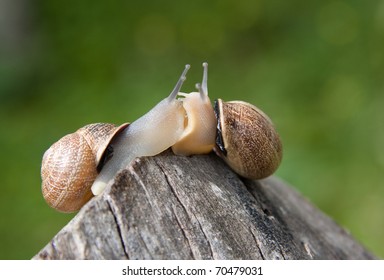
column 315, row 67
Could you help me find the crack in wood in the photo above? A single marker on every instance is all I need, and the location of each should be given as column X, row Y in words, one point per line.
column 183, row 233
column 118, row 228
column 257, row 244
column 206, row 238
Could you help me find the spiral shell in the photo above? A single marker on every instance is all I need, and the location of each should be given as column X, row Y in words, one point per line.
column 70, row 165
column 246, row 139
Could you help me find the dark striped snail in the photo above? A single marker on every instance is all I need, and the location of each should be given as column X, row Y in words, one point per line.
column 81, row 164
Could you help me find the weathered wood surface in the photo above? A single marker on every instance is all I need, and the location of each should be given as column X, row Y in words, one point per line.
column 172, row 207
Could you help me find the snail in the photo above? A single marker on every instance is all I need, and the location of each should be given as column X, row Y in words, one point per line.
column 81, row 164
column 70, row 165
column 246, row 139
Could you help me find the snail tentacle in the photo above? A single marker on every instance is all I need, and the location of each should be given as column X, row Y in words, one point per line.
column 179, row 83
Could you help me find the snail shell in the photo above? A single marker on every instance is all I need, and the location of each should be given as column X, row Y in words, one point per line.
column 246, row 139
column 70, row 165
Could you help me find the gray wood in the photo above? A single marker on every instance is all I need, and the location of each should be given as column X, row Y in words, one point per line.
column 173, row 207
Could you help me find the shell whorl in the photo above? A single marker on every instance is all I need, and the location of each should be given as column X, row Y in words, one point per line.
column 247, row 139
column 69, row 166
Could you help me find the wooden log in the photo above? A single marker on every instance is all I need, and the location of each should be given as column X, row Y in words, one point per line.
column 174, row 207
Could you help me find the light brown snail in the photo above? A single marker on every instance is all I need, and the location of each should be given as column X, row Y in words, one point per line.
column 237, row 131
column 246, row 139
column 70, row 166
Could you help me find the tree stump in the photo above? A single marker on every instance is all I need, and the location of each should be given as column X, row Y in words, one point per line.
column 174, row 207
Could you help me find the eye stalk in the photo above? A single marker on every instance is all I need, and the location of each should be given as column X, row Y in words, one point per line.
column 179, row 83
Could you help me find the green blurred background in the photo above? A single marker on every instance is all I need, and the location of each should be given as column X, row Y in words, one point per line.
column 315, row 67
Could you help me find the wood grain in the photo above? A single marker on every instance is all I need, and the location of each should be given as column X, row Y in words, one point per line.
column 173, row 207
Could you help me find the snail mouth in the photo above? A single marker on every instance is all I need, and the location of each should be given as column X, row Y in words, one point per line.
column 219, row 133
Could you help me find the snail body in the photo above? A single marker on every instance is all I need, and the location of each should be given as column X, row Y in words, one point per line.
column 199, row 132
column 237, row 131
